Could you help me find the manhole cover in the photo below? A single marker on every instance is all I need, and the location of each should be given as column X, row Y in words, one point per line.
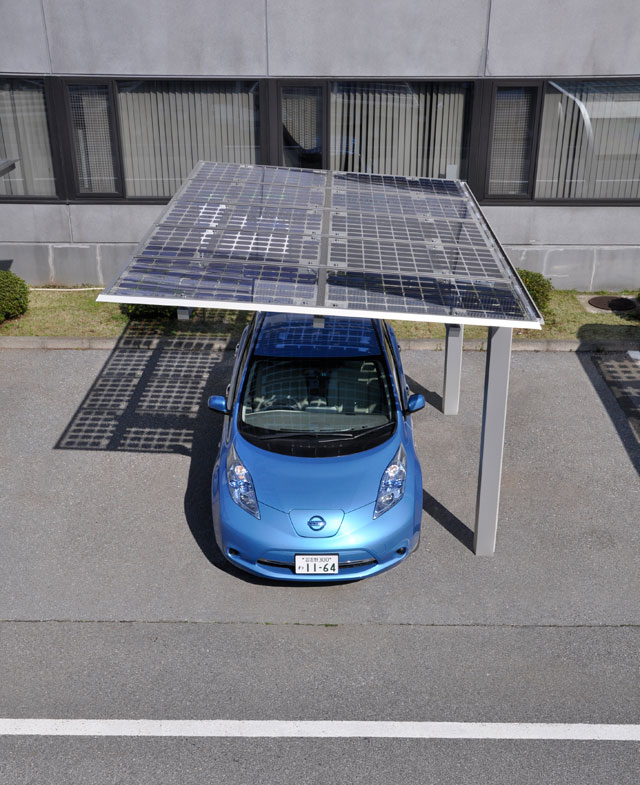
column 609, row 303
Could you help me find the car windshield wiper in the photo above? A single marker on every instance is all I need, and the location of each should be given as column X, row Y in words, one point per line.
column 280, row 435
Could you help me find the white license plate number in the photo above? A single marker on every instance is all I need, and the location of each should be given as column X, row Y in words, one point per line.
column 316, row 564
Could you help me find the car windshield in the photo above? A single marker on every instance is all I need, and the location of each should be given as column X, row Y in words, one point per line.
column 291, row 397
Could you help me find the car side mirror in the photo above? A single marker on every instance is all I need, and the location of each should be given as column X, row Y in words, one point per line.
column 415, row 403
column 218, row 403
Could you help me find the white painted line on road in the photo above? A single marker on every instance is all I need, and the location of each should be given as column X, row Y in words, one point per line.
column 544, row 731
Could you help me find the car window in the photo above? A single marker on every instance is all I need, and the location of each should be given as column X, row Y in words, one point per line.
column 316, row 396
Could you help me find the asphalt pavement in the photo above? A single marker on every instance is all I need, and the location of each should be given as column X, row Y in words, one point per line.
column 115, row 602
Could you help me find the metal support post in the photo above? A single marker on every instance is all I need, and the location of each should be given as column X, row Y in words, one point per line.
column 494, row 415
column 452, row 369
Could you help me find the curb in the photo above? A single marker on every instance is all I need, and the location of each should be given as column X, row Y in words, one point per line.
column 413, row 344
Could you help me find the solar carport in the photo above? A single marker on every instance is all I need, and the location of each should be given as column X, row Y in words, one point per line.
column 265, row 238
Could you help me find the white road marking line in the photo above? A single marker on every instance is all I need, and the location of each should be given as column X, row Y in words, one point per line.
column 542, row 731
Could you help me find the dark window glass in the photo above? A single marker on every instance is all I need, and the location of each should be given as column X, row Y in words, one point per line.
column 166, row 127
column 24, row 137
column 404, row 128
column 93, row 143
column 512, row 136
column 590, row 140
column 302, row 126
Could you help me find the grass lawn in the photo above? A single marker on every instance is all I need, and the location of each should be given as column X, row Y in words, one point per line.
column 57, row 312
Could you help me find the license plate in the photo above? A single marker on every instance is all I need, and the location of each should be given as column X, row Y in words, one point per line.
column 316, row 564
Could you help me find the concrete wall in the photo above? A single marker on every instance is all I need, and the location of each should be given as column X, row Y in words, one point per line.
column 583, row 247
column 75, row 243
column 586, row 248
column 422, row 38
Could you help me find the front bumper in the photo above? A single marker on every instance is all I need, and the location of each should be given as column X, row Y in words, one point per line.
column 365, row 546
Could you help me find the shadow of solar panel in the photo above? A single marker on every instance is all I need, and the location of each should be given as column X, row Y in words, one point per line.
column 149, row 393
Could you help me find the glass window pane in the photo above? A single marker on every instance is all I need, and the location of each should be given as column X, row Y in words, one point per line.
column 166, row 127
column 513, row 119
column 404, row 128
column 92, row 139
column 24, row 135
column 590, row 140
column 302, row 127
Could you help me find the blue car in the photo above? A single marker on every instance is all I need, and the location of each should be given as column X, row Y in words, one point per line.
column 317, row 477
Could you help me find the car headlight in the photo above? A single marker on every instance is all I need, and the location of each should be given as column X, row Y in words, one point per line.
column 392, row 483
column 240, row 484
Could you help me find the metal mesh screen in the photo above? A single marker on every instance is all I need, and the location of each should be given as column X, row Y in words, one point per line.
column 511, row 141
column 92, row 138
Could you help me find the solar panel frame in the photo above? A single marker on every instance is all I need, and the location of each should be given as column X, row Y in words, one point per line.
column 248, row 237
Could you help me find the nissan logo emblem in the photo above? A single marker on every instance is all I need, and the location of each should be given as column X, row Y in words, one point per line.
column 316, row 523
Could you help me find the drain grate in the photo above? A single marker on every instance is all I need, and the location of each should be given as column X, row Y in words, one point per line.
column 612, row 303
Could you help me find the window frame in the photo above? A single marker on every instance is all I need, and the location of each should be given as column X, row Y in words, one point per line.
column 497, row 84
column 114, row 129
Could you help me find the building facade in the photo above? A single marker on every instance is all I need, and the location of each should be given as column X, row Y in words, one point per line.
column 106, row 105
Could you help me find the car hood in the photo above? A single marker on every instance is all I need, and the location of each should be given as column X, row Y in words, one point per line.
column 345, row 482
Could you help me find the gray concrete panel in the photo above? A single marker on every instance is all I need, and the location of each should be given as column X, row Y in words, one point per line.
column 575, row 37
column 112, row 223
column 587, row 268
column 31, row 261
column 193, row 37
column 616, row 269
column 28, row 223
column 111, row 260
column 23, row 39
column 565, row 224
column 567, row 268
column 386, row 38
column 75, row 264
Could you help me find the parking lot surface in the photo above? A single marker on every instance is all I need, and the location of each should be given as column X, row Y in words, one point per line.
column 117, row 604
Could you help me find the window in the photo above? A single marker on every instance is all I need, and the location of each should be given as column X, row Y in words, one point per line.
column 24, row 136
column 93, row 139
column 404, row 128
column 590, row 140
column 166, row 127
column 511, row 141
column 302, row 119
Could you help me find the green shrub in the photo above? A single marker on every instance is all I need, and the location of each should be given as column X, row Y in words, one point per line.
column 139, row 311
column 14, row 295
column 539, row 288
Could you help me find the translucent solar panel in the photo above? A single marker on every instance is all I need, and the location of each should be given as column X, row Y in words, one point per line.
column 342, row 243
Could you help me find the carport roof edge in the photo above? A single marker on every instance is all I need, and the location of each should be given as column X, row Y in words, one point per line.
column 248, row 237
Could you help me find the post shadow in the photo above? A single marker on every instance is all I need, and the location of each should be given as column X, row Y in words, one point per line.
column 431, row 397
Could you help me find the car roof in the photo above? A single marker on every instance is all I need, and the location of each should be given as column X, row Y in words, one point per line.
column 303, row 335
